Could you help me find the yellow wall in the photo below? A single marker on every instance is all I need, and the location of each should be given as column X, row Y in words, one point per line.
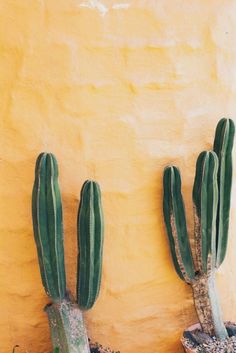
column 116, row 89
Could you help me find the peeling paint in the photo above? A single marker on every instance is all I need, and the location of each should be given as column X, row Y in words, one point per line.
column 120, row 6
column 97, row 5
column 103, row 9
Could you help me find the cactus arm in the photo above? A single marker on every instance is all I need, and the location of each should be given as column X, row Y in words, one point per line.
column 98, row 249
column 205, row 200
column 47, row 224
column 39, row 217
column 85, row 230
column 90, row 242
column 223, row 145
column 175, row 220
column 167, row 210
column 55, row 224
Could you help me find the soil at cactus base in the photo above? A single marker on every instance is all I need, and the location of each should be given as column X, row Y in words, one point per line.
column 195, row 341
column 98, row 348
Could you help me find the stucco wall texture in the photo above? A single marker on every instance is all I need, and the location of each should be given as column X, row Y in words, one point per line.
column 117, row 90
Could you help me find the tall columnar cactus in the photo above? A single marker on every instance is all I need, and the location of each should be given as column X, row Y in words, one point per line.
column 65, row 316
column 48, row 227
column 211, row 200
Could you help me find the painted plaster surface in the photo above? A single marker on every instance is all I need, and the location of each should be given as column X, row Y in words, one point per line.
column 117, row 90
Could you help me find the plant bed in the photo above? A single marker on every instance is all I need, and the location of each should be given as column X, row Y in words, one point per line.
column 98, row 348
column 194, row 340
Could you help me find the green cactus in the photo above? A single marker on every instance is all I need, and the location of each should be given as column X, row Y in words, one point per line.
column 90, row 243
column 205, row 202
column 175, row 220
column 211, row 200
column 68, row 332
column 223, row 146
column 48, row 227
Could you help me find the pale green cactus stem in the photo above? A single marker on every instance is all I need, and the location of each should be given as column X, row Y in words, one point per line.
column 211, row 199
column 68, row 332
column 67, row 328
column 90, row 242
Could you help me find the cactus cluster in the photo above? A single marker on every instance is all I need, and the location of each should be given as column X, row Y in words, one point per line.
column 65, row 316
column 211, row 204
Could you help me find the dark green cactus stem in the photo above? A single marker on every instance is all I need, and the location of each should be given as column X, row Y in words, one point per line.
column 174, row 214
column 205, row 201
column 90, row 243
column 48, row 228
column 223, row 145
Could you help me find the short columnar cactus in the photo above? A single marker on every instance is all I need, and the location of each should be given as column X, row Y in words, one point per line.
column 90, row 241
column 65, row 316
column 211, row 200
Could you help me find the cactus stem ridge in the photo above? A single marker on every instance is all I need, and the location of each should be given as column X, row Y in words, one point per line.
column 178, row 254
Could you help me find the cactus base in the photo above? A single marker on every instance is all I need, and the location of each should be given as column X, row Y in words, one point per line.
column 207, row 306
column 67, row 328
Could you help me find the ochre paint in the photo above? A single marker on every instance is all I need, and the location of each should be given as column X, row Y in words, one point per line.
column 117, row 90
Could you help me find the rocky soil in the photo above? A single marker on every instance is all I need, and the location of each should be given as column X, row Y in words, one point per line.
column 202, row 343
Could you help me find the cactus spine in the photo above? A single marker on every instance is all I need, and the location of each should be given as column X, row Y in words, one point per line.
column 211, row 200
column 68, row 332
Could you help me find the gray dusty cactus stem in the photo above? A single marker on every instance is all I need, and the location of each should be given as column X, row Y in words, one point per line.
column 65, row 316
column 211, row 203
